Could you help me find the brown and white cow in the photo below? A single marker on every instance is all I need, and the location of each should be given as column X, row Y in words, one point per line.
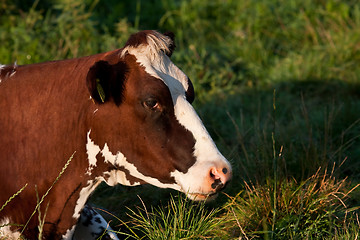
column 127, row 114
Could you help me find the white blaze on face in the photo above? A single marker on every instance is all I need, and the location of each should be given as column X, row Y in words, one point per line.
column 205, row 151
column 156, row 63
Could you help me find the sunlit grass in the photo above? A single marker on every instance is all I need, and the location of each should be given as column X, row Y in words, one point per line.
column 310, row 209
column 316, row 208
column 179, row 219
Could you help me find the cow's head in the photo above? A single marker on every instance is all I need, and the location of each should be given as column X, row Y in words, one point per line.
column 144, row 128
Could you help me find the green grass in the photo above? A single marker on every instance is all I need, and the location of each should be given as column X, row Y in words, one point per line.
column 236, row 53
column 316, row 208
column 179, row 219
column 309, row 209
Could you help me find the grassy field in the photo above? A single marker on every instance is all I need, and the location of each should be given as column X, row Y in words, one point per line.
column 277, row 86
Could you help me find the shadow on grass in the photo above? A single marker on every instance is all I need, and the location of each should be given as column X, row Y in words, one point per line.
column 316, row 123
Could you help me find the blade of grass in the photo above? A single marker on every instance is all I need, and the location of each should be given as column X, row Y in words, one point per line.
column 47, row 192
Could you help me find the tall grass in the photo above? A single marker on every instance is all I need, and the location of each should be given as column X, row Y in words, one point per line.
column 310, row 209
column 314, row 130
column 63, row 31
column 179, row 219
column 41, row 219
column 316, row 208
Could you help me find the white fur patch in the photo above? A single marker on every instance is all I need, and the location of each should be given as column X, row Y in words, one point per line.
column 69, row 233
column 119, row 160
column 92, row 150
column 117, row 177
column 5, row 231
column 111, row 158
column 153, row 181
column 159, row 65
column 84, row 195
column 158, row 43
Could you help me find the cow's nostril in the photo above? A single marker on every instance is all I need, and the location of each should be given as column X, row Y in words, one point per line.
column 217, row 184
column 219, row 177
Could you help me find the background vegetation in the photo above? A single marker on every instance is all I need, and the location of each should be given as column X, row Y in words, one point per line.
column 277, row 86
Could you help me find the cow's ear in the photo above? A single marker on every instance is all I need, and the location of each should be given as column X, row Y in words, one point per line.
column 190, row 93
column 106, row 82
column 172, row 46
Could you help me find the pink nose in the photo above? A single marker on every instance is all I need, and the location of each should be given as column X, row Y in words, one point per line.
column 219, row 176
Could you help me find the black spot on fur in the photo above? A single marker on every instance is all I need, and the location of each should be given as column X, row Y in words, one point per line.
column 86, row 220
column 98, row 220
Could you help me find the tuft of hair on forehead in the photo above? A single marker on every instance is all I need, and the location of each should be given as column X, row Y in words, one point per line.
column 7, row 71
column 154, row 42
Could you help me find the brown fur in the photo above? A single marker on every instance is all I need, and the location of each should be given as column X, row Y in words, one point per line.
column 45, row 114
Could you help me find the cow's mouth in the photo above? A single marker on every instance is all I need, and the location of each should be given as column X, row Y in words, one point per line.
column 202, row 196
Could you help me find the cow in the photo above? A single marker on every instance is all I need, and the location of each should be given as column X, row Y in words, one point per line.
column 122, row 117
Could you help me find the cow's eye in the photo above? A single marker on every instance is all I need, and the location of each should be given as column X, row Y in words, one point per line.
column 151, row 103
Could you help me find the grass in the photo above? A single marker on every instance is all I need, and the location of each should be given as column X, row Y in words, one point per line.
column 316, row 208
column 179, row 219
column 41, row 218
column 315, row 129
column 309, row 209
column 237, row 53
